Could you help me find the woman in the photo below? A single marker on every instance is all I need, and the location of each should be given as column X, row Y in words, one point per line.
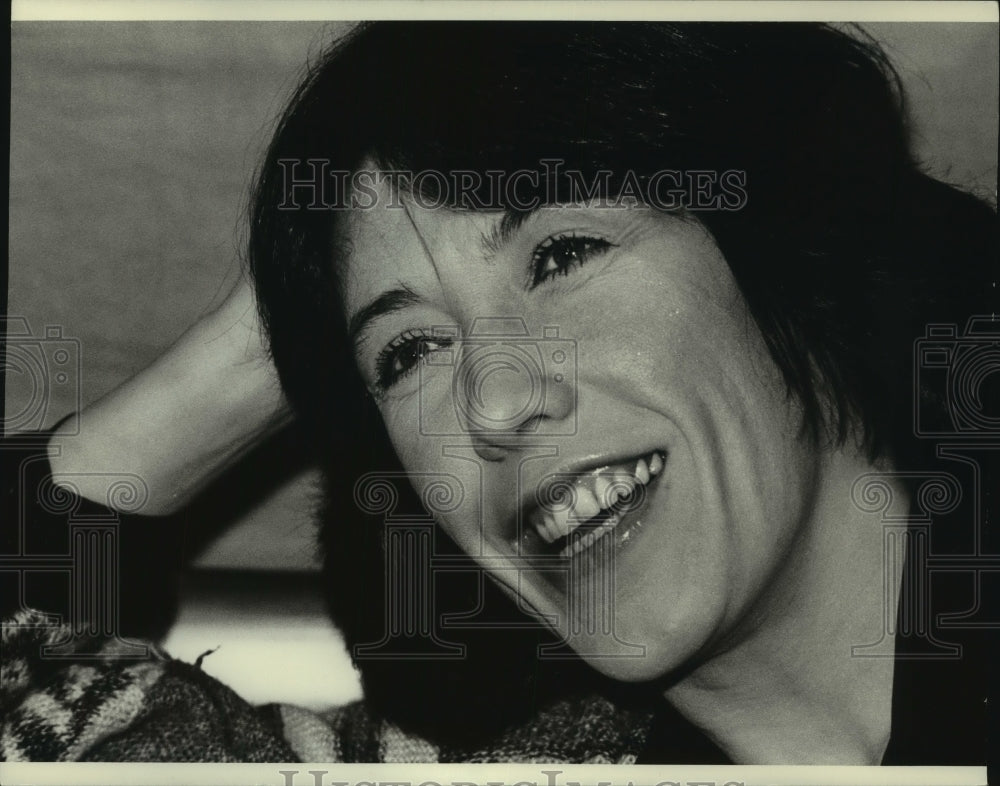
column 641, row 299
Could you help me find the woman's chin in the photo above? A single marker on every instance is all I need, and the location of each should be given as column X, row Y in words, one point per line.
column 630, row 651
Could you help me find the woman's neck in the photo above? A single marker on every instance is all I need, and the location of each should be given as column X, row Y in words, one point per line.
column 788, row 689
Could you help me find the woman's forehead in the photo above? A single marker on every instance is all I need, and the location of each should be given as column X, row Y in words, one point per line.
column 394, row 242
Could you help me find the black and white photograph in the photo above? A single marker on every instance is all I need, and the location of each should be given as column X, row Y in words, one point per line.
column 568, row 393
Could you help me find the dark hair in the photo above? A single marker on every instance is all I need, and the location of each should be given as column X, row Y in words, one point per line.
column 844, row 250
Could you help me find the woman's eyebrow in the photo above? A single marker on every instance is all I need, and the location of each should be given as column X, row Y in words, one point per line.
column 494, row 241
column 502, row 232
column 389, row 301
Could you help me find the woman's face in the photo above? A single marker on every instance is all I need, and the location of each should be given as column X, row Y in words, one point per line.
column 543, row 366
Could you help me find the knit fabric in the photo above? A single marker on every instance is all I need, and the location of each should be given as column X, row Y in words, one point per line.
column 103, row 702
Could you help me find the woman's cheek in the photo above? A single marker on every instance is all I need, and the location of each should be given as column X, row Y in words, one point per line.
column 443, row 470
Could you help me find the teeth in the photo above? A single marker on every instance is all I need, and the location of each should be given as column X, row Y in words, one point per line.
column 560, row 525
column 548, row 529
column 624, row 485
column 591, row 495
column 586, row 505
column 608, row 489
column 550, row 523
column 578, row 544
column 601, row 486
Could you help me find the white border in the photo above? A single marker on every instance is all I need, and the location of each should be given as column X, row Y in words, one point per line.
column 60, row 774
column 465, row 774
column 676, row 10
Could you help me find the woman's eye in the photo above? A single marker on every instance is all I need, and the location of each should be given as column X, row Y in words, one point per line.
column 402, row 355
column 559, row 254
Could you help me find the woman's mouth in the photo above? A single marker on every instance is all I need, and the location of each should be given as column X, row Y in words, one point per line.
column 577, row 510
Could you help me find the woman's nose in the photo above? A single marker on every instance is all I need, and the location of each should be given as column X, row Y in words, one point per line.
column 507, row 390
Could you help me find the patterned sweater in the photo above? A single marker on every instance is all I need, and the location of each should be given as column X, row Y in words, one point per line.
column 108, row 705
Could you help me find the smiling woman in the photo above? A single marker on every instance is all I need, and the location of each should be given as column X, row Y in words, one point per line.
column 675, row 375
column 604, row 336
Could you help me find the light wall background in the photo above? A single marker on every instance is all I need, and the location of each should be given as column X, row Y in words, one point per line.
column 132, row 146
